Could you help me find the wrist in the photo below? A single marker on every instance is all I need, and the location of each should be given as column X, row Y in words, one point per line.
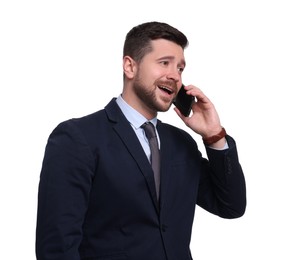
column 215, row 138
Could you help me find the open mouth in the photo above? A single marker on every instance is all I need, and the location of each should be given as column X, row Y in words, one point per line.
column 166, row 89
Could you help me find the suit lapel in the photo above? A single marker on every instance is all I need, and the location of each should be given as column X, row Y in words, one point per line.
column 129, row 138
column 165, row 163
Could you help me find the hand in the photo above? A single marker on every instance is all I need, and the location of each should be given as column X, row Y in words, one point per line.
column 204, row 119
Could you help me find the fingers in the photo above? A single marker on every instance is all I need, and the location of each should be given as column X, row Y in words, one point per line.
column 195, row 91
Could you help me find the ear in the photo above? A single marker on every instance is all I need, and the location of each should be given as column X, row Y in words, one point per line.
column 129, row 67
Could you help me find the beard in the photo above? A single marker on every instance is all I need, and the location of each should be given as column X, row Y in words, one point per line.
column 149, row 97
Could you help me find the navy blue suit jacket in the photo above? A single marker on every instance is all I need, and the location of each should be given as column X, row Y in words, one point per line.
column 97, row 195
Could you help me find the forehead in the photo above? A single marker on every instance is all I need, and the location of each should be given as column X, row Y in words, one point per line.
column 165, row 48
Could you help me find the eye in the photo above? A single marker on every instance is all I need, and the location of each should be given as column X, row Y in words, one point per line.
column 165, row 63
column 181, row 69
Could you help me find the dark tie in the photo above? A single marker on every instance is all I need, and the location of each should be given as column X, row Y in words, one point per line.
column 155, row 153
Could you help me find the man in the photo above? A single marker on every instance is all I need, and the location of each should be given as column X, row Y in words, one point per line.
column 98, row 196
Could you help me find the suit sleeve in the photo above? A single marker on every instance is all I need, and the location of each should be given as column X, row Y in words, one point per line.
column 222, row 188
column 65, row 183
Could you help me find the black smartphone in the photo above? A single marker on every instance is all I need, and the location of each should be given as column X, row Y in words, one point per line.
column 183, row 101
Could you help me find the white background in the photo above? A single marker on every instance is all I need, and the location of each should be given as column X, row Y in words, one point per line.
column 62, row 59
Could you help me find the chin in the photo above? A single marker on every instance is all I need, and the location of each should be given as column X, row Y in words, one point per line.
column 164, row 108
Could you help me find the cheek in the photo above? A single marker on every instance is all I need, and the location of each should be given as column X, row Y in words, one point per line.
column 151, row 72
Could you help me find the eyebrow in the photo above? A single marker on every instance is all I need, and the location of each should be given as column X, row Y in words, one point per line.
column 183, row 63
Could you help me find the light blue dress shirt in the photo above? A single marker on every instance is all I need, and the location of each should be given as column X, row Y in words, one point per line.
column 136, row 120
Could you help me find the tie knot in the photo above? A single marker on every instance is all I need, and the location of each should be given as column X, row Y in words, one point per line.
column 149, row 130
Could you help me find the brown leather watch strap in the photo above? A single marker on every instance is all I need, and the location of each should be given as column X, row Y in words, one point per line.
column 215, row 138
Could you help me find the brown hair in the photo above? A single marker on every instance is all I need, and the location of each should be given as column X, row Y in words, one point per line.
column 138, row 40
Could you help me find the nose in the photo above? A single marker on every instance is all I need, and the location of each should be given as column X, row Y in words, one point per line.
column 174, row 75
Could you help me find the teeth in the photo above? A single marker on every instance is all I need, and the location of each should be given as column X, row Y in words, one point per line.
column 165, row 88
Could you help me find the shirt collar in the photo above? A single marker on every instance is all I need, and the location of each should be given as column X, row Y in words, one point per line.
column 132, row 115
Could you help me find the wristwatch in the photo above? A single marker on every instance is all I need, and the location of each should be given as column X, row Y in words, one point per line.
column 215, row 138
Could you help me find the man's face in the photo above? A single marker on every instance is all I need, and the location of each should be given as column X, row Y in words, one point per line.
column 158, row 77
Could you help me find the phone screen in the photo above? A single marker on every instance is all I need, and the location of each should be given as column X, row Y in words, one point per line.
column 183, row 101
